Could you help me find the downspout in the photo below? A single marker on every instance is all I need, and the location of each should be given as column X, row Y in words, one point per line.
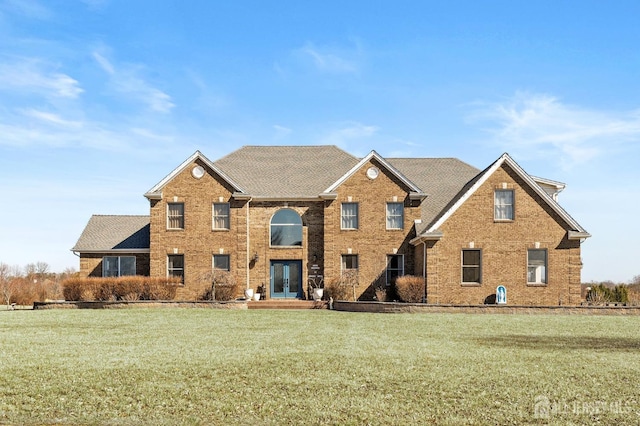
column 248, row 251
column 424, row 270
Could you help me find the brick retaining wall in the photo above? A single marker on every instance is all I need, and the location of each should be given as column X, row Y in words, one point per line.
column 392, row 307
column 140, row 304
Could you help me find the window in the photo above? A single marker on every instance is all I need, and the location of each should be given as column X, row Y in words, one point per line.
column 175, row 266
column 349, row 216
column 349, row 262
column 221, row 216
column 503, row 204
column 537, row 266
column 471, row 266
column 286, row 228
column 395, row 216
column 175, row 216
column 395, row 267
column 118, row 266
column 221, row 262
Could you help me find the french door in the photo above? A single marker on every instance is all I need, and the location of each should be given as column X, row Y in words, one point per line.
column 286, row 278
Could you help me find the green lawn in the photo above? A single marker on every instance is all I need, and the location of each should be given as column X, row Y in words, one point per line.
column 201, row 366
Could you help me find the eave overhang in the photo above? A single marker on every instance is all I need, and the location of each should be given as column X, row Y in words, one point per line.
column 427, row 236
column 578, row 235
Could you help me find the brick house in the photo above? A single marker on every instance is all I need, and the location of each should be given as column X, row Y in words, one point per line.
column 280, row 216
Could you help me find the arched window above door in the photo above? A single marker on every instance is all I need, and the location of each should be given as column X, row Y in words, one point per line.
column 286, row 228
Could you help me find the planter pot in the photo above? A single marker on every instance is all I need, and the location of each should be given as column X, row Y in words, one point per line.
column 248, row 294
column 317, row 293
column 256, row 297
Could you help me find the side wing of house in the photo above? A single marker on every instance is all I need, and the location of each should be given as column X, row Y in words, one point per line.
column 114, row 246
column 369, row 218
column 503, row 229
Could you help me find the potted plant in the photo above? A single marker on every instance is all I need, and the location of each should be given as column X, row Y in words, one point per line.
column 316, row 286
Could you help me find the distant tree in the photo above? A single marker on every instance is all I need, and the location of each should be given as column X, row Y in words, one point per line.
column 6, row 284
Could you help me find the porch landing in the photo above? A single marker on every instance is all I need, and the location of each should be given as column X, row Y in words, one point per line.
column 287, row 304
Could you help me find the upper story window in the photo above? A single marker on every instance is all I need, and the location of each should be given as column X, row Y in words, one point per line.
column 395, row 215
column 349, row 216
column 471, row 266
column 537, row 266
column 175, row 215
column 175, row 266
column 503, row 204
column 221, row 218
column 286, row 228
column 118, row 266
column 221, row 262
column 395, row 267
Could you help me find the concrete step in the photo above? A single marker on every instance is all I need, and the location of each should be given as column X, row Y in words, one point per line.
column 287, row 304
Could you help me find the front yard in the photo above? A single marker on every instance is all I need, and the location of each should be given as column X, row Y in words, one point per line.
column 201, row 366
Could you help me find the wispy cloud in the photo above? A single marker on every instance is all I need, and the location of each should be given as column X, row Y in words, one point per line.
column 29, row 8
column 281, row 132
column 52, row 118
column 125, row 79
column 349, row 134
column 39, row 77
column 329, row 60
column 541, row 125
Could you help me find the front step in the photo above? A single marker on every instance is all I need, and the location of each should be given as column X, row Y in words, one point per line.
column 287, row 304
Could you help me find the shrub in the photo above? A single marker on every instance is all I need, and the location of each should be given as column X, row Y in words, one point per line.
column 121, row 288
column 410, row 289
column 600, row 294
column 343, row 287
column 380, row 292
column 223, row 286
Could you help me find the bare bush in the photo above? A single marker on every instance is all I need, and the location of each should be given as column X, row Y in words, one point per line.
column 122, row 288
column 223, row 286
column 410, row 289
column 343, row 287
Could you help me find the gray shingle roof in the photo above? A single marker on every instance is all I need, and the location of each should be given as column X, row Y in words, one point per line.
column 440, row 178
column 107, row 233
column 286, row 171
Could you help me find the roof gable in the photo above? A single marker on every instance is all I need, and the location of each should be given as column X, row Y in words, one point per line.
column 156, row 192
column 482, row 177
column 373, row 155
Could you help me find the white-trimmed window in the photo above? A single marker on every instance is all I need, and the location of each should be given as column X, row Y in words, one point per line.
column 395, row 267
column 118, row 266
column 349, row 216
column 503, row 204
column 286, row 228
column 221, row 216
column 537, row 266
column 175, row 215
column 395, row 216
column 349, row 262
column 471, row 266
column 175, row 266
column 221, row 262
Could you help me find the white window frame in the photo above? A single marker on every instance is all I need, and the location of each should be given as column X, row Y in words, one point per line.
column 171, row 271
column 346, row 217
column 119, row 266
column 502, row 211
column 478, row 267
column 391, row 217
column 224, row 216
column 179, row 217
column 540, row 272
column 220, row 256
column 400, row 269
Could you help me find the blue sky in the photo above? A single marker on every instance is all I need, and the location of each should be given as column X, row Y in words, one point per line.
column 100, row 99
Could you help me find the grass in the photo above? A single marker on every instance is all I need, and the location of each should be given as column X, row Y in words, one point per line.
column 199, row 366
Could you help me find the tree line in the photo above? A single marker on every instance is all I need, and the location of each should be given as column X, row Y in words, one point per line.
column 34, row 282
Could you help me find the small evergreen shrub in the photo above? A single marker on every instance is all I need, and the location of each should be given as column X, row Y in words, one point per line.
column 410, row 289
column 601, row 294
